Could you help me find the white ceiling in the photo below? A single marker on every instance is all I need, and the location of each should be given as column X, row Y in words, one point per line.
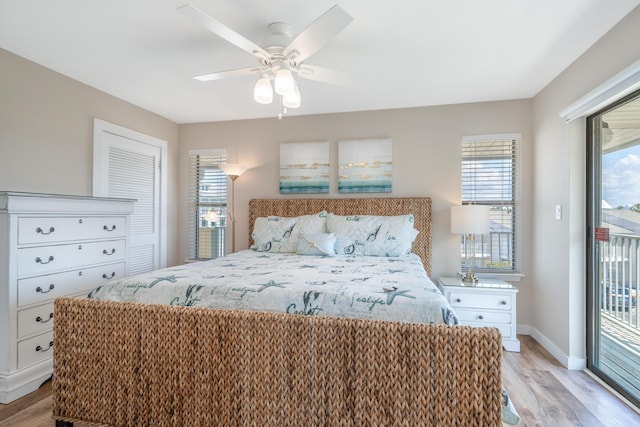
column 402, row 53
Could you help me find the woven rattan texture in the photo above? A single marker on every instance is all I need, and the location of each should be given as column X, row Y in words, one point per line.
column 420, row 207
column 127, row 364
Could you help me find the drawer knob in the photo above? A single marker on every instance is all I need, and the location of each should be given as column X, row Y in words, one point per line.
column 42, row 349
column 40, row 261
column 42, row 291
column 105, row 252
column 503, row 302
column 44, row 233
column 480, row 317
column 105, row 228
column 458, row 300
column 41, row 320
column 113, row 274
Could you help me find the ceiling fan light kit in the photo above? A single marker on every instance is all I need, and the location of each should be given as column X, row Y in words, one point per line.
column 263, row 92
column 280, row 57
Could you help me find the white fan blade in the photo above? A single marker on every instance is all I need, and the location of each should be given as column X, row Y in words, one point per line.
column 225, row 74
column 327, row 75
column 319, row 33
column 223, row 31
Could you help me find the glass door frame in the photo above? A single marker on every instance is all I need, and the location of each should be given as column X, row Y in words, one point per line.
column 593, row 219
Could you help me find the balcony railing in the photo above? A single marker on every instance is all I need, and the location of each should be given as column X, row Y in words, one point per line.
column 619, row 278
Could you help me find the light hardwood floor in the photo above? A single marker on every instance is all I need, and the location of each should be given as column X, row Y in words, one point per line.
column 544, row 393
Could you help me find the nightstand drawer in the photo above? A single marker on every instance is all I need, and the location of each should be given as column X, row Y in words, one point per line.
column 484, row 317
column 477, row 300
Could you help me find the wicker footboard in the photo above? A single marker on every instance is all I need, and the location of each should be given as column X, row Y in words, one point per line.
column 125, row 364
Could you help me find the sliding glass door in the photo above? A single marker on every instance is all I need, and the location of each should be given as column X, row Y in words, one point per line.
column 614, row 245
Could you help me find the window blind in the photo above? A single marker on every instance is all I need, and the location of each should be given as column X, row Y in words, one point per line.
column 207, row 191
column 489, row 177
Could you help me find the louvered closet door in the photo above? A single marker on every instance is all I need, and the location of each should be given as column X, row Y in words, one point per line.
column 131, row 169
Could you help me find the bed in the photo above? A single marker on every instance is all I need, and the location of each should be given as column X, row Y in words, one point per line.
column 127, row 363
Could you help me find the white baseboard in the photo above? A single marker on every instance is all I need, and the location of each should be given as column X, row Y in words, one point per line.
column 571, row 363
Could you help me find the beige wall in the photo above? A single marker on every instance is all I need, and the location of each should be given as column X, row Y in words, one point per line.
column 426, row 161
column 46, row 133
column 558, row 161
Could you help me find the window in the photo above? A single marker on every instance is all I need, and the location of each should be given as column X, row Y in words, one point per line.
column 207, row 204
column 490, row 177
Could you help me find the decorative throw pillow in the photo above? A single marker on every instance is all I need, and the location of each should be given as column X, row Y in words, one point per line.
column 372, row 235
column 316, row 244
column 272, row 234
column 280, row 234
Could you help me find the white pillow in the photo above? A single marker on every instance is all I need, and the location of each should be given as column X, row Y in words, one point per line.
column 280, row 234
column 272, row 234
column 316, row 244
column 372, row 235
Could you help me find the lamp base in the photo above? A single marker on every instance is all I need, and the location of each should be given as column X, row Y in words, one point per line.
column 470, row 278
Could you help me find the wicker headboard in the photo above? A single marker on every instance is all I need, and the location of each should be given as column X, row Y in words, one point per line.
column 420, row 207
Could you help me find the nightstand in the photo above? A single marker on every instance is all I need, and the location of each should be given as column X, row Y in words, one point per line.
column 489, row 302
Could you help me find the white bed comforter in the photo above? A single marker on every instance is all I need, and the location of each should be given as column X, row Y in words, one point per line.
column 383, row 288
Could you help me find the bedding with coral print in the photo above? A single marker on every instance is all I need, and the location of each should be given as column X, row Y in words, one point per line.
column 348, row 286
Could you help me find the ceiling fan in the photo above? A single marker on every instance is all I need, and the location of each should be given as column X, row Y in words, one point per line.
column 280, row 56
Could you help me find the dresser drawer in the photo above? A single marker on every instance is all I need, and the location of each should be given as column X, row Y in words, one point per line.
column 35, row 320
column 478, row 316
column 61, row 229
column 34, row 350
column 44, row 259
column 476, row 300
column 44, row 288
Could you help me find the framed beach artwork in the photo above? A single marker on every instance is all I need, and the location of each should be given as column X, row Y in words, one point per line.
column 365, row 166
column 304, row 167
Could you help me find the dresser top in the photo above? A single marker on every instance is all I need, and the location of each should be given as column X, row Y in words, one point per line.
column 24, row 202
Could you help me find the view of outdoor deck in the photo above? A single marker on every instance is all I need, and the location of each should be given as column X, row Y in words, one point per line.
column 619, row 310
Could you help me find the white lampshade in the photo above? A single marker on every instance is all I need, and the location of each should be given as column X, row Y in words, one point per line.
column 233, row 169
column 470, row 219
column 284, row 81
column 212, row 216
column 291, row 99
column 263, row 92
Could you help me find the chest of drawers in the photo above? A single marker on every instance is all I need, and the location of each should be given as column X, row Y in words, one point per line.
column 50, row 246
column 487, row 303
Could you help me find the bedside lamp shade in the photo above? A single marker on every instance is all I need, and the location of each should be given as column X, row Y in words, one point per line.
column 470, row 219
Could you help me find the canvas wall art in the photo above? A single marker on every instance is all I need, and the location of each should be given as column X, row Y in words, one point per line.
column 365, row 166
column 304, row 167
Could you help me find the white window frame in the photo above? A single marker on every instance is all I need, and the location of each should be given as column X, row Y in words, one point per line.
column 192, row 223
column 505, row 274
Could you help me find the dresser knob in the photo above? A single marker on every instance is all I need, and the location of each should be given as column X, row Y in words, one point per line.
column 458, row 300
column 105, row 252
column 480, row 317
column 113, row 274
column 503, row 302
column 42, row 291
column 40, row 261
column 105, row 228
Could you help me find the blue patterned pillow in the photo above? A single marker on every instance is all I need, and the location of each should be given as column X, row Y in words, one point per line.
column 372, row 235
column 316, row 244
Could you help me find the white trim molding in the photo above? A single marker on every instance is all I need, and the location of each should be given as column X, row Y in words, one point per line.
column 618, row 86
